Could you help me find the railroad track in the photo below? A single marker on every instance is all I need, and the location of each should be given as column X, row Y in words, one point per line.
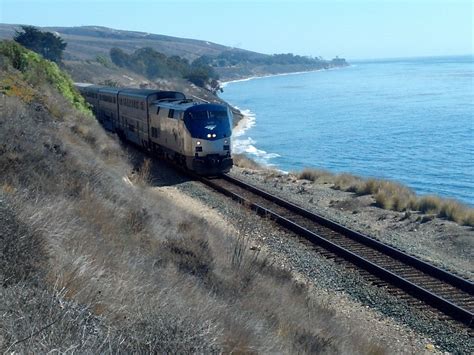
column 385, row 265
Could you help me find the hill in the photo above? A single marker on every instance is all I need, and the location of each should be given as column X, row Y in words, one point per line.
column 87, row 43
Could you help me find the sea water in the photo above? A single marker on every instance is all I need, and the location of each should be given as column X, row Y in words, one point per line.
column 407, row 120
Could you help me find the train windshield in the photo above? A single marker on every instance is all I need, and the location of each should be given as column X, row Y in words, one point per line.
column 209, row 115
column 204, row 122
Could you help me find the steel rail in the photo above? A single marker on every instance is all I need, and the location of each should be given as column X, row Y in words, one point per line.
column 444, row 305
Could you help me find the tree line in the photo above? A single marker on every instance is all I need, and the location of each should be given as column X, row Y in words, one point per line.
column 153, row 64
column 239, row 57
column 145, row 61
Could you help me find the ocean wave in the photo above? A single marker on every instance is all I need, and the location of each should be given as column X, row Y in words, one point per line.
column 247, row 122
column 246, row 145
column 223, row 84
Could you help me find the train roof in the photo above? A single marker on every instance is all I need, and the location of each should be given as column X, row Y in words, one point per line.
column 109, row 90
column 131, row 92
column 145, row 93
column 138, row 92
column 86, row 86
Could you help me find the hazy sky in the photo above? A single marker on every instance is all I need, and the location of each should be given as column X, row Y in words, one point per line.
column 353, row 29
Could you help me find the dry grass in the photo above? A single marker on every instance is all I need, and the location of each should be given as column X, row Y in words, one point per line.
column 108, row 265
column 315, row 175
column 394, row 196
column 244, row 162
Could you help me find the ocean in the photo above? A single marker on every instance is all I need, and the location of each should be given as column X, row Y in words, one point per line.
column 407, row 120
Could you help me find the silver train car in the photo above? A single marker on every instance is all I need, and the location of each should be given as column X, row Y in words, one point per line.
column 193, row 134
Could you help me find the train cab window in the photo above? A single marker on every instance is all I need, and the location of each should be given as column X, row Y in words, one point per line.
column 171, row 113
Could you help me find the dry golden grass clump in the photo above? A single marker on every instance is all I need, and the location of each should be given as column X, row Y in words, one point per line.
column 393, row 196
column 94, row 260
column 244, row 162
column 315, row 175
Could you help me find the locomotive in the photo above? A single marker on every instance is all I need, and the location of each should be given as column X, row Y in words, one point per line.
column 196, row 135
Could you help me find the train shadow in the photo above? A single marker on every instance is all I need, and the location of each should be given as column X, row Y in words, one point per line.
column 160, row 172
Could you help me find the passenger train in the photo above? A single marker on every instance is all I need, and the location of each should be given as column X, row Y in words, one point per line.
column 196, row 135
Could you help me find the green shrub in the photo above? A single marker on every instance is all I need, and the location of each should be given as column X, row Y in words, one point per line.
column 38, row 71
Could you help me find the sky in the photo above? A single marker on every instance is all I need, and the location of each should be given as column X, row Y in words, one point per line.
column 353, row 29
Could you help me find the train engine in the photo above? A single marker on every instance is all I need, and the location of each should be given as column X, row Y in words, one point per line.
column 198, row 135
column 193, row 134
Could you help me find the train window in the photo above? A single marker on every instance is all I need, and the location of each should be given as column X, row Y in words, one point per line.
column 217, row 114
column 171, row 113
column 131, row 127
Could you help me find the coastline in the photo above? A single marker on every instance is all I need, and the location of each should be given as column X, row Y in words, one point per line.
column 224, row 83
column 446, row 208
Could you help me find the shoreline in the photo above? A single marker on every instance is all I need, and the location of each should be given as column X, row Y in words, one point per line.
column 242, row 131
column 442, row 208
column 226, row 82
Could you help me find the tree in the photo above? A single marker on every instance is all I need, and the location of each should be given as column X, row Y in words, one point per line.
column 119, row 57
column 49, row 45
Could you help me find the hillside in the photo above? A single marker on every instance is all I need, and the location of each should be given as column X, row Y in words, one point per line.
column 93, row 258
column 87, row 43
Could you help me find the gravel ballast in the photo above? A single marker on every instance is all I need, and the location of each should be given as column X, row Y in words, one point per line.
column 438, row 241
column 386, row 318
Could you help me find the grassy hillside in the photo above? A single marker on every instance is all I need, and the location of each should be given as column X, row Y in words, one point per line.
column 92, row 43
column 93, row 259
column 87, row 42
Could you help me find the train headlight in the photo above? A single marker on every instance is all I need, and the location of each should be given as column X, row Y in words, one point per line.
column 209, row 135
column 198, row 142
column 226, row 141
column 213, row 135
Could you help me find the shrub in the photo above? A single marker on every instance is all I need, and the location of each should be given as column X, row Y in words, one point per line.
column 469, row 218
column 346, row 182
column 315, row 175
column 428, row 204
column 38, row 71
